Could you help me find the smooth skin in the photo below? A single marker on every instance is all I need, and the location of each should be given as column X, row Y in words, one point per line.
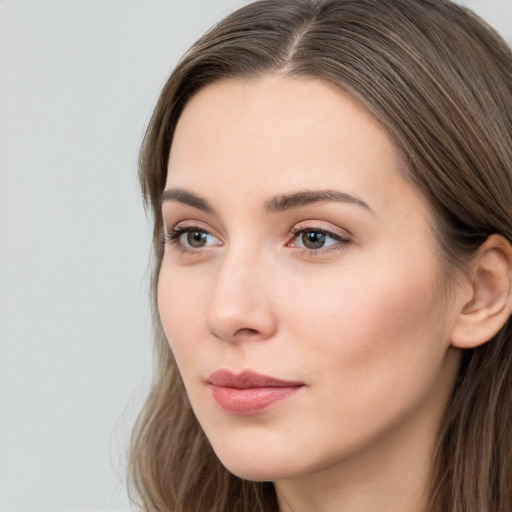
column 338, row 287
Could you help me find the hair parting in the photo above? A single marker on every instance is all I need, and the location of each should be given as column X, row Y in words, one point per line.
column 439, row 81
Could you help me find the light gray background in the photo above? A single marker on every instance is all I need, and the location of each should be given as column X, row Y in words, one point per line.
column 78, row 80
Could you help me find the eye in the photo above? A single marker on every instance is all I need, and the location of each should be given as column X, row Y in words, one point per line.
column 314, row 239
column 192, row 238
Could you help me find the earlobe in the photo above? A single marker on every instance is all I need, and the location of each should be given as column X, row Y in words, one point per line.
column 490, row 303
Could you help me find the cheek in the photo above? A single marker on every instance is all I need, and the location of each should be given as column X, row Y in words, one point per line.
column 373, row 333
column 367, row 340
column 182, row 315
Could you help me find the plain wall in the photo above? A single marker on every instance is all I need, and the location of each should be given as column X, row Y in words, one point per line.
column 78, row 80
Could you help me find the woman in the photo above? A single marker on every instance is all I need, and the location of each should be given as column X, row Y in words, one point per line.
column 331, row 190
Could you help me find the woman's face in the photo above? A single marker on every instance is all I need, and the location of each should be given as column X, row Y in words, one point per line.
column 300, row 287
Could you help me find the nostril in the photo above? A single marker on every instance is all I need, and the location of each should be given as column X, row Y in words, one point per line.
column 246, row 332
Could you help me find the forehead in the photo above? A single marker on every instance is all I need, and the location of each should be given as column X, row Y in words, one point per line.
column 276, row 134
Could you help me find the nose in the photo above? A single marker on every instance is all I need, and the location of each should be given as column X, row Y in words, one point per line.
column 240, row 307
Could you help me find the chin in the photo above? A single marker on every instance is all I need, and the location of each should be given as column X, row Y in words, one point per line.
column 267, row 472
column 250, row 464
column 259, row 465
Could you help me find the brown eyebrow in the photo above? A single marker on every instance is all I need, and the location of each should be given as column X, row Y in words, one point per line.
column 183, row 196
column 276, row 204
column 306, row 197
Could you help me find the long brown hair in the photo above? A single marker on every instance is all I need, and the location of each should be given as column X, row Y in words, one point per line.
column 440, row 83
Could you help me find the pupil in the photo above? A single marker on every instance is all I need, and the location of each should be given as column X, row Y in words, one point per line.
column 196, row 239
column 313, row 240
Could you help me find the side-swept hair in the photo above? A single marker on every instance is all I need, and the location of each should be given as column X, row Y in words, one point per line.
column 439, row 81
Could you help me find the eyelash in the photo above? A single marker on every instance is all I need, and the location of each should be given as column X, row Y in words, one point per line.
column 173, row 238
column 342, row 240
column 177, row 232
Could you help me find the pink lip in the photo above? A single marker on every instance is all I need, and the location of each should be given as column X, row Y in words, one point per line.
column 248, row 392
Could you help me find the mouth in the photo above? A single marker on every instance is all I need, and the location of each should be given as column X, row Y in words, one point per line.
column 249, row 393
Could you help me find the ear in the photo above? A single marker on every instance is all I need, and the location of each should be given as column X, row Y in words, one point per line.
column 488, row 302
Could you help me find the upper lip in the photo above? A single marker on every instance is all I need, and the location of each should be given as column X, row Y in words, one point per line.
column 248, row 379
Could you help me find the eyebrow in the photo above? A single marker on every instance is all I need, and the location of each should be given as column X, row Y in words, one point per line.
column 306, row 197
column 183, row 196
column 278, row 203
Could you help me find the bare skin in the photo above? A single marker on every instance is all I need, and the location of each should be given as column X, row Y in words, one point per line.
column 336, row 287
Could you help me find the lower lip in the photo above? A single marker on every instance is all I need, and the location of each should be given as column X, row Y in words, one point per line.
column 252, row 400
